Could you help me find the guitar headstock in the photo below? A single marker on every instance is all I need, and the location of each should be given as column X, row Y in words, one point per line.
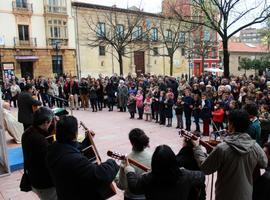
column 86, row 129
column 185, row 134
column 116, row 155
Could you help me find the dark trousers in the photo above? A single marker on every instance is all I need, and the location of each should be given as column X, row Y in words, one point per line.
column 44, row 98
column 156, row 115
column 14, row 100
column 110, row 103
column 140, row 112
column 217, row 126
column 100, row 103
column 162, row 118
column 188, row 120
column 132, row 115
column 197, row 120
column 93, row 102
column 206, row 123
column 179, row 121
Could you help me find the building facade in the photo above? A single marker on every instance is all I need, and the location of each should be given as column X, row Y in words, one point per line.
column 239, row 50
column 146, row 54
column 251, row 35
column 37, row 38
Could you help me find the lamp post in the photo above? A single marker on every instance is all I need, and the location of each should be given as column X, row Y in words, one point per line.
column 57, row 47
column 1, row 69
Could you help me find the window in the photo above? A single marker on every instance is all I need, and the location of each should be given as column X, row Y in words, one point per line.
column 120, row 31
column 155, row 51
column 101, row 32
column 102, row 50
column 183, row 52
column 181, row 37
column 213, row 65
column 57, row 64
column 23, row 32
column 154, row 34
column 21, row 3
column 169, row 36
column 206, row 36
column 57, row 28
column 56, row 6
column 138, row 33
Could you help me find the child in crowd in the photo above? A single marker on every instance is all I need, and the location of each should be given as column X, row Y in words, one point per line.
column 131, row 104
column 178, row 107
column 206, row 114
column 168, row 108
column 147, row 107
column 218, row 115
column 162, row 116
column 139, row 103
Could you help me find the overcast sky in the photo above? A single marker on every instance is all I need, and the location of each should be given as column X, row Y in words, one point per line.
column 148, row 5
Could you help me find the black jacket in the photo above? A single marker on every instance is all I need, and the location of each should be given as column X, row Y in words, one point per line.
column 74, row 176
column 155, row 189
column 34, row 146
column 261, row 187
column 25, row 110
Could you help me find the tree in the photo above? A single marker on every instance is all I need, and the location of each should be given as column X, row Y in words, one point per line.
column 226, row 17
column 118, row 30
column 245, row 63
column 256, row 64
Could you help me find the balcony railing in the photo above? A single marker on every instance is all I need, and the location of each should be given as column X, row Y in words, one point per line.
column 32, row 42
column 55, row 9
column 22, row 7
column 62, row 42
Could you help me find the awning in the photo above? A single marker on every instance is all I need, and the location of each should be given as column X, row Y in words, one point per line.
column 26, row 58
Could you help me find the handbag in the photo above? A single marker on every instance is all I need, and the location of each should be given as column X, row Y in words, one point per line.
column 25, row 184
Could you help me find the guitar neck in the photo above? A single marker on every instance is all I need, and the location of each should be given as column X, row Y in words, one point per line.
column 139, row 165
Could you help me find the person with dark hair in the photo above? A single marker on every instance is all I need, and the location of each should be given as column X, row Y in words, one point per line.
column 234, row 160
column 262, row 184
column 254, row 129
column 139, row 142
column 188, row 107
column 25, row 109
column 34, row 146
column 74, row 175
column 166, row 180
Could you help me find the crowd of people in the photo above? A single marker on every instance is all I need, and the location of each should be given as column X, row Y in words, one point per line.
column 207, row 98
column 238, row 104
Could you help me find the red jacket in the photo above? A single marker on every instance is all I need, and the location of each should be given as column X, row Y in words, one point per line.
column 218, row 115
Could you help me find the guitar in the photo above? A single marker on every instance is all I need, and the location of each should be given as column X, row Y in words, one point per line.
column 132, row 161
column 106, row 191
column 209, row 145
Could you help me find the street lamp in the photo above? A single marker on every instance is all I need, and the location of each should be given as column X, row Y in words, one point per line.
column 57, row 47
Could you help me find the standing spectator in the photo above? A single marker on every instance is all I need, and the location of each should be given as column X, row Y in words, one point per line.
column 43, row 90
column 264, row 118
column 131, row 105
column 139, row 103
column 155, row 104
column 60, row 94
column 147, row 107
column 93, row 95
column 254, row 129
column 6, row 91
column 84, row 88
column 74, row 93
column 206, row 114
column 122, row 96
column 161, row 103
column 22, row 83
column 179, row 112
column 197, row 111
column 34, row 146
column 218, row 116
column 111, row 95
column 100, row 94
column 25, row 109
column 169, row 108
column 15, row 91
column 188, row 107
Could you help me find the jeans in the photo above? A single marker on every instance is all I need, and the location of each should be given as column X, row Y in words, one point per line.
column 179, row 121
column 188, row 120
column 45, row 194
column 140, row 112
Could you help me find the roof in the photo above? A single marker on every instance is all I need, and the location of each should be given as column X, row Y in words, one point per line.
column 112, row 8
column 246, row 47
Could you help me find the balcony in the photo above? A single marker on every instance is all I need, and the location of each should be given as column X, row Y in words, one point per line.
column 22, row 8
column 31, row 43
column 55, row 9
column 61, row 41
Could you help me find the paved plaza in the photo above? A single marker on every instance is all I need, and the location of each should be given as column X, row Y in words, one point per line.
column 111, row 130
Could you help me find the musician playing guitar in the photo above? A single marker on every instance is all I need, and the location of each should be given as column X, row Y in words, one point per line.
column 234, row 160
column 74, row 175
column 139, row 142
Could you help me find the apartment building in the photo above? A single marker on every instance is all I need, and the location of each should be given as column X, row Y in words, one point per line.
column 37, row 37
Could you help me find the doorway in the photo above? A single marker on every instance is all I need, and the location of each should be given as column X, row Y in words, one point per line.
column 26, row 69
column 139, row 62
